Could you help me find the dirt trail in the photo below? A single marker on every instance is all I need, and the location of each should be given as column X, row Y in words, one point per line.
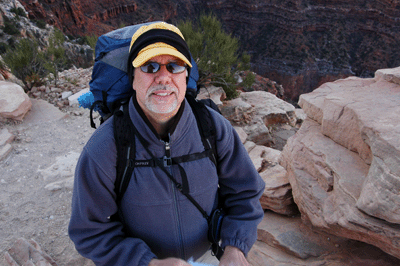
column 46, row 147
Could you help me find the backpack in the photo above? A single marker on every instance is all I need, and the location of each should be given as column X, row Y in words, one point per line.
column 110, row 82
column 110, row 91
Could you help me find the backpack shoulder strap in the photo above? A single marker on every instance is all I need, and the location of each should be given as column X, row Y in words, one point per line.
column 125, row 143
column 205, row 124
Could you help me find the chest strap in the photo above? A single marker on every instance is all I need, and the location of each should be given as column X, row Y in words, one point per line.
column 154, row 162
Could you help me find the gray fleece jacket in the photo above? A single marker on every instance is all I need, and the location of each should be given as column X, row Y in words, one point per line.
column 157, row 220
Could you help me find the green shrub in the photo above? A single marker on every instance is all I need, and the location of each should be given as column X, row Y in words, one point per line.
column 25, row 62
column 40, row 23
column 55, row 54
column 11, row 42
column 248, row 80
column 91, row 40
column 18, row 11
column 215, row 52
column 3, row 47
column 10, row 26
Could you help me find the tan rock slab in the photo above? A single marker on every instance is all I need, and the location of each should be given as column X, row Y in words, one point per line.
column 5, row 150
column 242, row 134
column 216, row 94
column 295, row 238
column 361, row 254
column 25, row 252
column 14, row 102
column 42, row 112
column 277, row 195
column 327, row 180
column 390, row 75
column 5, row 136
column 263, row 157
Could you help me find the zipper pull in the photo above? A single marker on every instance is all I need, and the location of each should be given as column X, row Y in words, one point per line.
column 167, row 157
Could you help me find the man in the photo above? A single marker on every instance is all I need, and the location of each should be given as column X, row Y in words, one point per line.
column 157, row 224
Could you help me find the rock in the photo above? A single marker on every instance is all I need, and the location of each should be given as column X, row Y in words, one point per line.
column 391, row 75
column 263, row 254
column 5, row 150
column 300, row 115
column 237, row 111
column 259, row 133
column 25, row 252
column 5, row 139
column 216, row 94
column 277, row 195
column 66, row 183
column 56, row 89
column 241, row 133
column 296, row 238
column 64, row 167
column 60, row 104
column 344, row 162
column 42, row 112
column 14, row 103
column 270, row 108
column 249, row 145
column 288, row 241
column 264, row 157
column 256, row 111
column 66, row 94
column 37, row 94
column 280, row 134
column 5, row 136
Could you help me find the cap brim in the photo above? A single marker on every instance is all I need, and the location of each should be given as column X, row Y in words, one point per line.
column 145, row 56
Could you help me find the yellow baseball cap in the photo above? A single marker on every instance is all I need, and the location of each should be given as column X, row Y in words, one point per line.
column 176, row 45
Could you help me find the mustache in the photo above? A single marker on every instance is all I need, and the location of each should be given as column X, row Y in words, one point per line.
column 161, row 87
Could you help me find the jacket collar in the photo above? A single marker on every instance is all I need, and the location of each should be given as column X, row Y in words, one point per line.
column 180, row 125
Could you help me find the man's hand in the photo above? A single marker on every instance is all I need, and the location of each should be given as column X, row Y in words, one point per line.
column 233, row 257
column 168, row 262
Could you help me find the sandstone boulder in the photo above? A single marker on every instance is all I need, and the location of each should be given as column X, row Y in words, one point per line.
column 277, row 195
column 25, row 252
column 217, row 94
column 344, row 162
column 14, row 103
column 5, row 139
column 256, row 111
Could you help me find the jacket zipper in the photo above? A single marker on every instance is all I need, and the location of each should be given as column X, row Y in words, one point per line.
column 167, row 164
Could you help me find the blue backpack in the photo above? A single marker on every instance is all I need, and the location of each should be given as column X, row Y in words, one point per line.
column 110, row 82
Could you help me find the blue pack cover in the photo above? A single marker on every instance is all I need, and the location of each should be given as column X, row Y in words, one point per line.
column 110, row 68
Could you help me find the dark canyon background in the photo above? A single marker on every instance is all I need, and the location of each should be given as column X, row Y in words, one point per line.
column 299, row 44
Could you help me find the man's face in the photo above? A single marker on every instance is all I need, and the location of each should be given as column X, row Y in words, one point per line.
column 160, row 93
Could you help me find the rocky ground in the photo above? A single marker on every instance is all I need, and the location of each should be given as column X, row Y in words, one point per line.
column 46, row 145
column 36, row 179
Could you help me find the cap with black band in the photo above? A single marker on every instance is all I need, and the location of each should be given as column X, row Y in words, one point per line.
column 157, row 39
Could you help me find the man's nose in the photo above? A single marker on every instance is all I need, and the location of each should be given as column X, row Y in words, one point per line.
column 163, row 76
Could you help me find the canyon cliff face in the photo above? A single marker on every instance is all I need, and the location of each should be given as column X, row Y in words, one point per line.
column 300, row 44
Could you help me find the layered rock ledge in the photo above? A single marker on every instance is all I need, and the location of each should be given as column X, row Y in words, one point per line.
column 344, row 162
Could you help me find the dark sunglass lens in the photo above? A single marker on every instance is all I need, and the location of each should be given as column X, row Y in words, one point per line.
column 175, row 68
column 150, row 68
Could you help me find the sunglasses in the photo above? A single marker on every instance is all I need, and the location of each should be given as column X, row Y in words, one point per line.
column 154, row 67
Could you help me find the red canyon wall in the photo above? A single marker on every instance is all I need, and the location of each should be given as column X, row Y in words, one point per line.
column 300, row 44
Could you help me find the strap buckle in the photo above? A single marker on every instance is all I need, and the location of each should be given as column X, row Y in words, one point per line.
column 167, row 161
